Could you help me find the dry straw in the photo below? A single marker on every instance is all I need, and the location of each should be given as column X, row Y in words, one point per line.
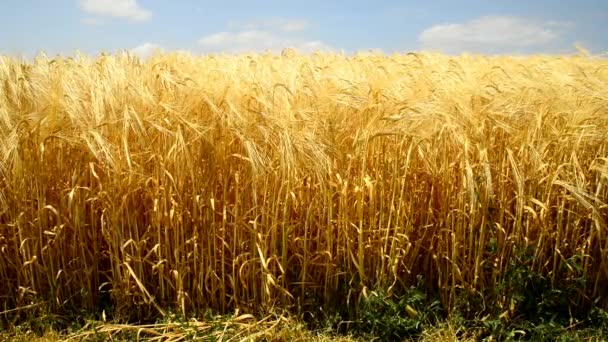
column 265, row 181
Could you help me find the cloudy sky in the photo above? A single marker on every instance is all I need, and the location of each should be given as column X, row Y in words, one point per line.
column 483, row 26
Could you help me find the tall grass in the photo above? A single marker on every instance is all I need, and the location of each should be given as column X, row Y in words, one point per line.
column 262, row 181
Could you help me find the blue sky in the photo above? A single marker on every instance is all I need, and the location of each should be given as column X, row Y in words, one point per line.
column 93, row 26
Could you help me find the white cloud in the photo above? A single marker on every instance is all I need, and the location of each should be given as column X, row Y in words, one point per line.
column 492, row 34
column 295, row 25
column 145, row 50
column 272, row 34
column 272, row 23
column 255, row 40
column 128, row 9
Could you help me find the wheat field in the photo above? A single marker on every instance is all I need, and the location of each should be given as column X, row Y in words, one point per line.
column 262, row 181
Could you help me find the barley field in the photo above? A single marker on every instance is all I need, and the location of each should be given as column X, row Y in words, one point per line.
column 263, row 182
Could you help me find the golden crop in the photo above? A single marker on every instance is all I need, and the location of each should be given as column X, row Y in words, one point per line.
column 267, row 181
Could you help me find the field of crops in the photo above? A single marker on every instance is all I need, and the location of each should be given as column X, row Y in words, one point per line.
column 294, row 182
